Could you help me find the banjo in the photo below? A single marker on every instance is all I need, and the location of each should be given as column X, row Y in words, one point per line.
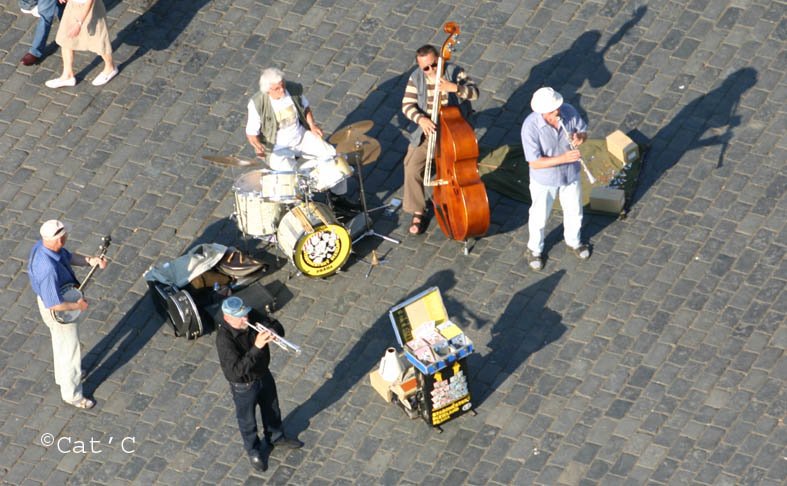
column 72, row 293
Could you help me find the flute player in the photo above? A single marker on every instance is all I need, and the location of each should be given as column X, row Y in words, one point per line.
column 554, row 171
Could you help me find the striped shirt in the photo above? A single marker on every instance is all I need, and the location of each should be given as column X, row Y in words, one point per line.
column 467, row 90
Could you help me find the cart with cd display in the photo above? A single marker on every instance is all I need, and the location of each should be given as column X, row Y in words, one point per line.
column 437, row 348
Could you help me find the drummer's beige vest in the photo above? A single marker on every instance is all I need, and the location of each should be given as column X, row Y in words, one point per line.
column 268, row 124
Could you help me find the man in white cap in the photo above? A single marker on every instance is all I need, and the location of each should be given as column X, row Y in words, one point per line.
column 49, row 270
column 244, row 356
column 554, row 171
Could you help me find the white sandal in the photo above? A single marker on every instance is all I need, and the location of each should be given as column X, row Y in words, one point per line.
column 84, row 403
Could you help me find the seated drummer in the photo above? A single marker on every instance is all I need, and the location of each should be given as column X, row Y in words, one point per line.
column 278, row 116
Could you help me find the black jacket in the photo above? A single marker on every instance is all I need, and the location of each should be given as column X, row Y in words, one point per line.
column 241, row 361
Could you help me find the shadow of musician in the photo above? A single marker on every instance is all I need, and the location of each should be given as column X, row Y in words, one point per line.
column 566, row 72
column 359, row 360
column 696, row 126
column 525, row 327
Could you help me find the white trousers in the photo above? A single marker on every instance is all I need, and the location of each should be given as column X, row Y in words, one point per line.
column 67, row 355
column 543, row 198
column 310, row 147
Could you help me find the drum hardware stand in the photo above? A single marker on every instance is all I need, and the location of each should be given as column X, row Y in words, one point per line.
column 367, row 219
column 466, row 248
column 375, row 260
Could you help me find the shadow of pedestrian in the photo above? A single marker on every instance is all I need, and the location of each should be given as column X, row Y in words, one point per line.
column 356, row 364
column 156, row 29
column 712, row 112
column 525, row 327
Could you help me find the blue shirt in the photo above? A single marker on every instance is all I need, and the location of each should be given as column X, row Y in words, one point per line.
column 49, row 271
column 540, row 139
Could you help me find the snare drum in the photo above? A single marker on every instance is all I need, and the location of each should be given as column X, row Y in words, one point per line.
column 255, row 215
column 280, row 186
column 313, row 239
column 326, row 173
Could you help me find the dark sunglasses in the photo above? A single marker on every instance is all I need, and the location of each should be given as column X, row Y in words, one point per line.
column 428, row 68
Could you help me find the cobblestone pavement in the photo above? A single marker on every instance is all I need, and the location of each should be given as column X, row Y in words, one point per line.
column 660, row 360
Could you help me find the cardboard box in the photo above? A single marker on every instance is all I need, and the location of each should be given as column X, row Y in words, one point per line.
column 381, row 386
column 405, row 388
column 620, row 146
column 607, row 200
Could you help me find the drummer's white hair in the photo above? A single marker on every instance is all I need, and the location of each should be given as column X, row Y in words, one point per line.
column 269, row 77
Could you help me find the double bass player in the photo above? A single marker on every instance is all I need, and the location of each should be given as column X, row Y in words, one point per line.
column 456, row 89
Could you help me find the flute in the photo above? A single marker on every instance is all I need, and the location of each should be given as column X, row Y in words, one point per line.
column 571, row 145
column 278, row 340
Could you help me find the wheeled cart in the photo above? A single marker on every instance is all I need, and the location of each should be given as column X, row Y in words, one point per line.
column 437, row 349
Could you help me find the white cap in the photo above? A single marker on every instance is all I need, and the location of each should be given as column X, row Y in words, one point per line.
column 52, row 229
column 546, row 100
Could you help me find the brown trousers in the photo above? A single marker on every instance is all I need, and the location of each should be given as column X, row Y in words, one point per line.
column 414, row 163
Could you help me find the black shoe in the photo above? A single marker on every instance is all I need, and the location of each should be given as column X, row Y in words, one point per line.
column 344, row 203
column 288, row 442
column 258, row 462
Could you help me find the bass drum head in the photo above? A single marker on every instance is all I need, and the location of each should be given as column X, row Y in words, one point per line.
column 322, row 252
column 319, row 252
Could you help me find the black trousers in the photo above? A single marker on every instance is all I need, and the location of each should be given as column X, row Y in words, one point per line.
column 247, row 397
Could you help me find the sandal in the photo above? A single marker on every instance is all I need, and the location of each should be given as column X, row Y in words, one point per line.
column 417, row 224
column 84, row 403
column 582, row 252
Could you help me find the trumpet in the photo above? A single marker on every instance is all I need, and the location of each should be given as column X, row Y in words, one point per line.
column 277, row 340
column 571, row 144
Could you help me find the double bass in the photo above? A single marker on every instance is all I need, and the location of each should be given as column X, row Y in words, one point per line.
column 459, row 196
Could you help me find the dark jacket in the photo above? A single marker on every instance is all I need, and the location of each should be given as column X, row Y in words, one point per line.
column 240, row 360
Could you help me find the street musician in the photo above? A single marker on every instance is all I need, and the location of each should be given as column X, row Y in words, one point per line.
column 245, row 357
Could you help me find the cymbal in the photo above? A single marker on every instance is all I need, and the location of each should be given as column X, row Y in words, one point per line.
column 229, row 160
column 368, row 148
column 351, row 131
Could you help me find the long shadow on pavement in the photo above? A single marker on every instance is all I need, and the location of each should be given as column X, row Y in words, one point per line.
column 525, row 327
column 156, row 29
column 709, row 112
column 566, row 72
column 357, row 362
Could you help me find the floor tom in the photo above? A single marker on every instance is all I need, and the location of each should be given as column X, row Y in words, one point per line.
column 256, row 216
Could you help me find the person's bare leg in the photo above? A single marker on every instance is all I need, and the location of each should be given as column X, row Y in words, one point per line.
column 68, row 63
column 109, row 64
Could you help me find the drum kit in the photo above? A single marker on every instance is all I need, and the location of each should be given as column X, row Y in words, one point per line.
column 279, row 205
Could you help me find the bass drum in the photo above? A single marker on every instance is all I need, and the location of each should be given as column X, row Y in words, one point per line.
column 314, row 241
column 256, row 215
